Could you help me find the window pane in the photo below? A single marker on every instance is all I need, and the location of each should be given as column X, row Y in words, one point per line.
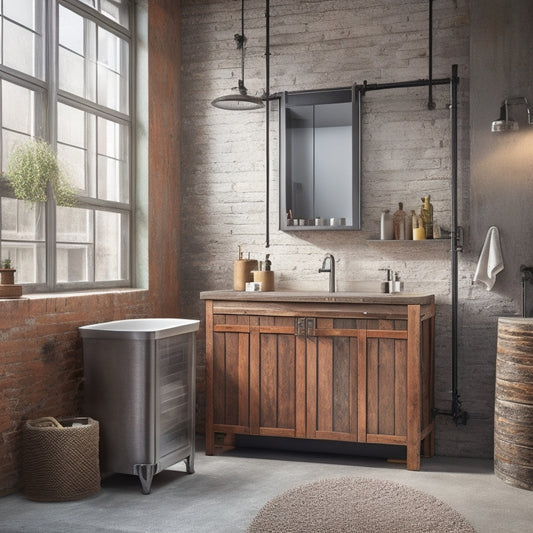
column 21, row 11
column 112, row 232
column 23, row 230
column 73, row 130
column 71, row 31
column 18, row 108
column 74, row 244
column 22, row 220
column 113, row 182
column 116, row 10
column 77, row 54
column 70, row 125
column 73, row 161
column 71, row 72
column 74, row 225
column 29, row 259
column 22, row 49
column 112, row 71
column 10, row 141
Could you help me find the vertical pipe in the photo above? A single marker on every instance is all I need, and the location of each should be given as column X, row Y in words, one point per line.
column 431, row 103
column 267, row 120
column 242, row 41
column 457, row 413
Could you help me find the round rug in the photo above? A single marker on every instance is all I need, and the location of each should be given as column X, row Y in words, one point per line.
column 357, row 505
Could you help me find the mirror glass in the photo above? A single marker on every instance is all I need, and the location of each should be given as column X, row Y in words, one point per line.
column 319, row 161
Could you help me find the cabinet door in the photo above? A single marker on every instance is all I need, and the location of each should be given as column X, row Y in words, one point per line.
column 277, row 378
column 386, row 381
column 334, row 348
column 231, row 363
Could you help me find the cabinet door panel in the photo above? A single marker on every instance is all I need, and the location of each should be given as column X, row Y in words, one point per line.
column 231, row 355
column 386, row 403
column 332, row 358
column 280, row 376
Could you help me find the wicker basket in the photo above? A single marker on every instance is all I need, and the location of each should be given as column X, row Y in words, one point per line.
column 60, row 459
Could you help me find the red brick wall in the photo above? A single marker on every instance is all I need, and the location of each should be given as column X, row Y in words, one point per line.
column 41, row 369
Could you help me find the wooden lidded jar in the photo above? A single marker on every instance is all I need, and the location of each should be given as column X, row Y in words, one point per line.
column 513, row 409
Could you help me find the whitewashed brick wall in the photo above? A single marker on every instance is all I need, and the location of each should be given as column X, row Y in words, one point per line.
column 320, row 44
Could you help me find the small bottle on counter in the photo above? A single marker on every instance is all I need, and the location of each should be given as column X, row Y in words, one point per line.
column 387, row 227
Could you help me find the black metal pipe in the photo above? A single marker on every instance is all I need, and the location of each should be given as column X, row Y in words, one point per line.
column 267, row 121
column 458, row 414
column 431, row 103
column 377, row 86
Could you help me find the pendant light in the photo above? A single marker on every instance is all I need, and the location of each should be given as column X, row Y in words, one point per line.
column 505, row 123
column 241, row 100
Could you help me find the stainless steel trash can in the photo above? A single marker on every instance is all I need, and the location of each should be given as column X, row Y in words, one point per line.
column 140, row 385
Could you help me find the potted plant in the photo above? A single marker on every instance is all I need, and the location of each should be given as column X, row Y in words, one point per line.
column 7, row 274
column 32, row 167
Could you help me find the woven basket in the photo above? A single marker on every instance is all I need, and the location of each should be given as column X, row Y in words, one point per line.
column 60, row 459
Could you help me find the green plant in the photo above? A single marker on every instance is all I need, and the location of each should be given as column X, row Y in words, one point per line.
column 31, row 167
column 6, row 263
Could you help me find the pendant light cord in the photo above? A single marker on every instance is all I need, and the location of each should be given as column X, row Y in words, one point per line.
column 267, row 120
column 240, row 43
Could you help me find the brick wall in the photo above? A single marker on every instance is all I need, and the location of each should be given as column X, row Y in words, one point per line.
column 406, row 155
column 42, row 366
column 41, row 370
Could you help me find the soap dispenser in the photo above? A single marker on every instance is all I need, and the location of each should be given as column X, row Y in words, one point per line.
column 265, row 277
column 243, row 271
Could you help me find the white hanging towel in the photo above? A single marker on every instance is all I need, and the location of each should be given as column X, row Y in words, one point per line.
column 490, row 260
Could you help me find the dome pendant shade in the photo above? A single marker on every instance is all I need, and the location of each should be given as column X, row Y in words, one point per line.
column 240, row 101
column 504, row 123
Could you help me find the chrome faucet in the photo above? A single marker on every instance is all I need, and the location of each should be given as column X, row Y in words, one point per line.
column 330, row 269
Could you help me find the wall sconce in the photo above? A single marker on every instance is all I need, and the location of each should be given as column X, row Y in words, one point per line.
column 505, row 122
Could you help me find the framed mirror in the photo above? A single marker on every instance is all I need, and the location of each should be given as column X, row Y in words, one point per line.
column 320, row 160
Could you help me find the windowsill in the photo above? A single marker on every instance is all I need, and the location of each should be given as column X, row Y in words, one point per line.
column 73, row 294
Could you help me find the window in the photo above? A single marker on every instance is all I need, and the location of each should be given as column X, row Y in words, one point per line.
column 66, row 77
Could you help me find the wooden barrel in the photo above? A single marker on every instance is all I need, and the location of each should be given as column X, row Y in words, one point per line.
column 513, row 409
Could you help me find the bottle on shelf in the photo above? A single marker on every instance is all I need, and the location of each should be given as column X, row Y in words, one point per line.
column 387, row 227
column 427, row 216
column 399, row 223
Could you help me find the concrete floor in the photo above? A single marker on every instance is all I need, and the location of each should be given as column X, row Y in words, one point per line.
column 227, row 490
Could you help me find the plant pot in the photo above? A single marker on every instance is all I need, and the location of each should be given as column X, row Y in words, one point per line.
column 7, row 276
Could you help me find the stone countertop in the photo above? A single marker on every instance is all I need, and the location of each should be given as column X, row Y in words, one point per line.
column 398, row 298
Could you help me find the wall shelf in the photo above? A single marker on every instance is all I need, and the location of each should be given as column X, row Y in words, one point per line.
column 406, row 241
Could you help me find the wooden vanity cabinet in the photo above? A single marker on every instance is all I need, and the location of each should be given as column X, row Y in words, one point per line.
column 348, row 372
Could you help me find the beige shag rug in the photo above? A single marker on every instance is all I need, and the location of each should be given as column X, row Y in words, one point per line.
column 357, row 505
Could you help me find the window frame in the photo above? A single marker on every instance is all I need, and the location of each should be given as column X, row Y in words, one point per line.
column 54, row 96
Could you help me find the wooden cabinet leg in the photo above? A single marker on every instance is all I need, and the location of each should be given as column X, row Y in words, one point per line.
column 413, row 456
column 428, row 445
